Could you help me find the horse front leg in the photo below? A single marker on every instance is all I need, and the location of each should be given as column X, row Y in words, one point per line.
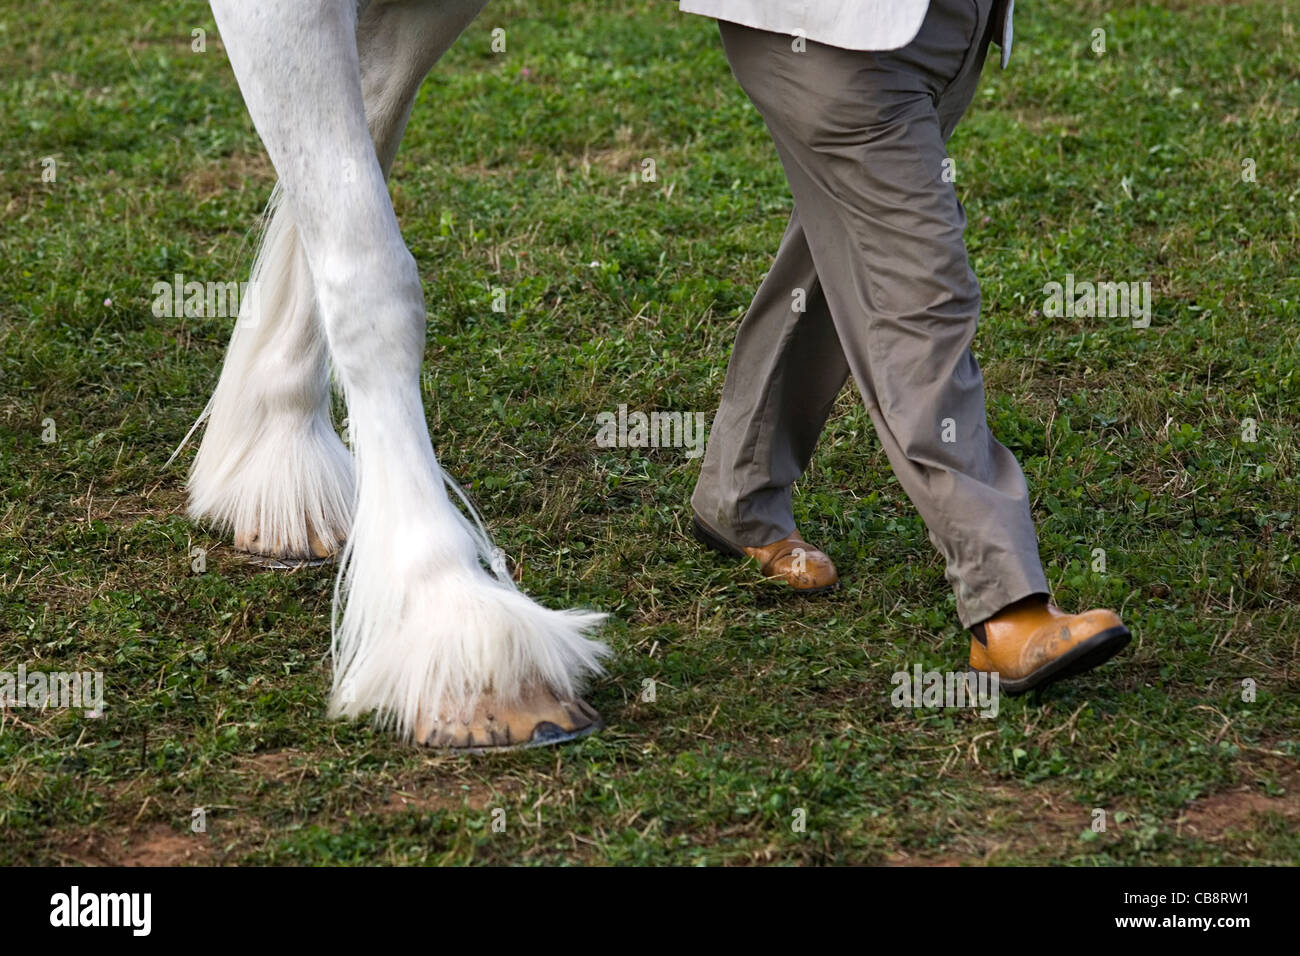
column 427, row 640
column 271, row 470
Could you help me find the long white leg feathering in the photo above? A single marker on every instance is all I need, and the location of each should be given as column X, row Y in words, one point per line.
column 271, row 470
column 425, row 630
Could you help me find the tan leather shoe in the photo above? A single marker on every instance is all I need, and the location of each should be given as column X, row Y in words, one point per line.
column 792, row 560
column 1032, row 644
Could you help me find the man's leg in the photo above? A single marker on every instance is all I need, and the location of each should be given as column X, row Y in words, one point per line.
column 861, row 140
column 786, row 369
column 861, row 137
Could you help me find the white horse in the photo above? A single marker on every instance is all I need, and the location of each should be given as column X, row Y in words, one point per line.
column 425, row 638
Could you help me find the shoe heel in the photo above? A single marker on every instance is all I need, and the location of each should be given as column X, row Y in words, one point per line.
column 706, row 537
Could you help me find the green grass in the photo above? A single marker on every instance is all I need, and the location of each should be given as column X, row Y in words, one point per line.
column 520, row 171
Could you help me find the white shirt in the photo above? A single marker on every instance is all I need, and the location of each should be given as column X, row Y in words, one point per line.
column 849, row 24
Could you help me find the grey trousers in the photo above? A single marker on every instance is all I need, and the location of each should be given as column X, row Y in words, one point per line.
column 871, row 278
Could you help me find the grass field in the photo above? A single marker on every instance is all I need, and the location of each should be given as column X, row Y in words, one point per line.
column 522, row 170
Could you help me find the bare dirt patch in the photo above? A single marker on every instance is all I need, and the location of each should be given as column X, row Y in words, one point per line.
column 1238, row 811
column 427, row 799
column 157, row 845
column 160, row 845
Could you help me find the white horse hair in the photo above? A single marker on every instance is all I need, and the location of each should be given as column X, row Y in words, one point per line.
column 425, row 632
column 271, row 464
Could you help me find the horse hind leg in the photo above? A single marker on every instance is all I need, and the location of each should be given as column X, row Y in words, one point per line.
column 271, row 470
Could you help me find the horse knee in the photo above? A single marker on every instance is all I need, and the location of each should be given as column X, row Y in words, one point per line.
column 373, row 311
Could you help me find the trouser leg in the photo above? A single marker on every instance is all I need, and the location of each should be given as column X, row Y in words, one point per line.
column 785, row 371
column 862, row 139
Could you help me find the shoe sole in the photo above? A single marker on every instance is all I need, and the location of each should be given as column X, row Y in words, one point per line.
column 711, row 539
column 1093, row 652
